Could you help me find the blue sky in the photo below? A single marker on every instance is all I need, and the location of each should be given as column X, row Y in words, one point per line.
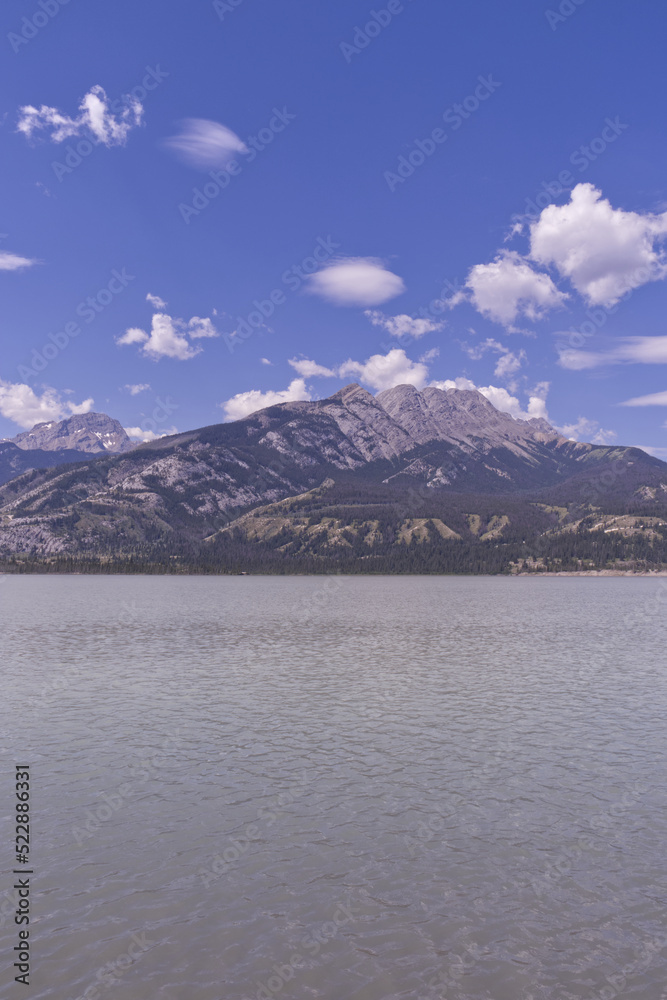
column 461, row 194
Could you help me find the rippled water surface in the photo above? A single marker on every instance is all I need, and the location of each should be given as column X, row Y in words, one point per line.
column 351, row 788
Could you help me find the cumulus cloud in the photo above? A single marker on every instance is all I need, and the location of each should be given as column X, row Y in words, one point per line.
column 355, row 281
column 653, row 399
column 168, row 337
column 20, row 403
column 402, row 325
column 588, row 430
column 384, row 371
column 156, row 302
column 13, row 262
column 380, row 371
column 504, row 400
column 509, row 287
column 630, row 350
column 94, row 119
column 198, row 327
column 605, row 252
column 509, row 361
column 136, row 388
column 265, row 361
column 139, row 434
column 244, row 403
column 205, row 144
column 310, row 369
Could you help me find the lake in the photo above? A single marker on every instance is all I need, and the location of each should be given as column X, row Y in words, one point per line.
column 350, row 788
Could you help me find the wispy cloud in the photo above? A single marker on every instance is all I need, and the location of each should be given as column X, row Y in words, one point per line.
column 508, row 363
column 310, row 369
column 630, row 350
column 14, row 262
column 95, row 118
column 156, row 302
column 653, row 399
column 584, row 429
column 205, row 144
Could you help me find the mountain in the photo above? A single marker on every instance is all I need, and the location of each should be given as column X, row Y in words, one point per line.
column 60, row 442
column 91, row 433
column 405, row 481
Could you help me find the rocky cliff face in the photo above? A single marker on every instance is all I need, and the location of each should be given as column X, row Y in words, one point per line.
column 90, row 433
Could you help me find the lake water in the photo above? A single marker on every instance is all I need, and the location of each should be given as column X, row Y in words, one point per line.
column 342, row 788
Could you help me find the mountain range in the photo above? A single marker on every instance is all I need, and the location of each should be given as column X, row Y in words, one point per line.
column 418, row 481
column 56, row 442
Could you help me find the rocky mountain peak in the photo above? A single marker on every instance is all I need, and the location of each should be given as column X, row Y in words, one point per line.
column 91, row 433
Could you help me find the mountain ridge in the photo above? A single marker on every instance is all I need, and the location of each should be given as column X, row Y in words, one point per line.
column 410, row 451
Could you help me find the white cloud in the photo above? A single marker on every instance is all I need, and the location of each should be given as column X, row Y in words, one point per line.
column 198, row 327
column 402, row 325
column 587, row 430
column 265, row 361
column 657, row 452
column 156, row 302
column 654, row 399
column 168, row 337
column 508, row 287
column 355, row 281
column 310, row 369
column 164, row 340
column 139, row 434
column 20, row 403
column 135, row 389
column 503, row 400
column 133, row 335
column 509, row 361
column 630, row 350
column 244, row 403
column 205, row 144
column 430, row 355
column 384, row 371
column 604, row 251
column 95, row 118
column 13, row 262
